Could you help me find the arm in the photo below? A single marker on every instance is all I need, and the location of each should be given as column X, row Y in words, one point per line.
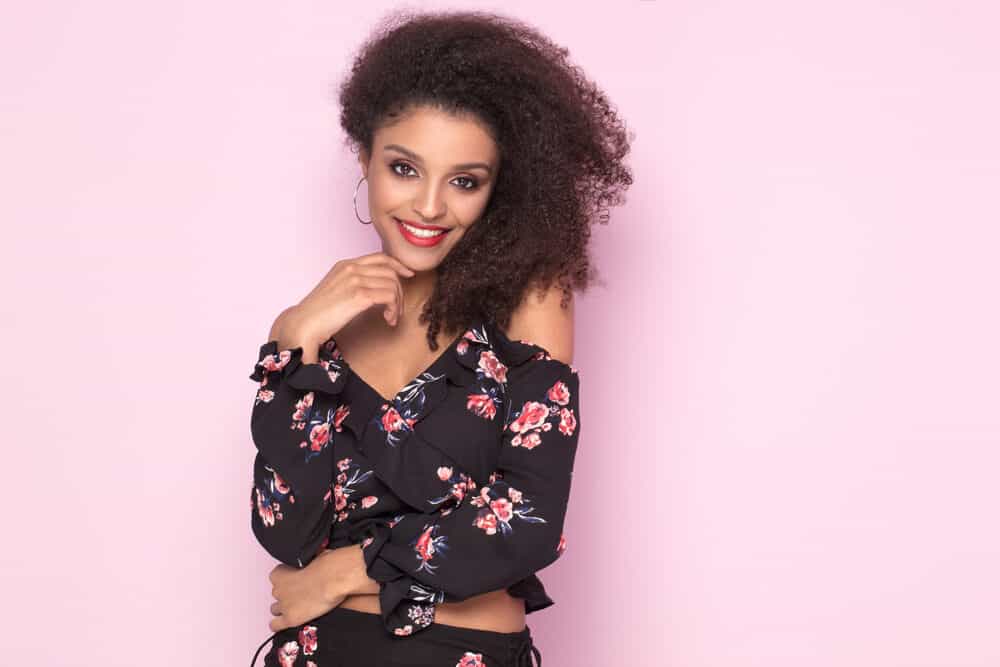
column 496, row 535
column 295, row 415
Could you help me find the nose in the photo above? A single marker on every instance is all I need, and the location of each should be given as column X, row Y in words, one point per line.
column 429, row 204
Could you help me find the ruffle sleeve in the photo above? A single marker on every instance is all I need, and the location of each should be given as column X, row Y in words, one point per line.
column 297, row 413
column 499, row 535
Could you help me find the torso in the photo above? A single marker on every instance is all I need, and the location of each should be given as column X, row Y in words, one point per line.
column 497, row 611
column 366, row 343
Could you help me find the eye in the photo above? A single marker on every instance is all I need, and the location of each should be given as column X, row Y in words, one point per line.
column 399, row 164
column 471, row 183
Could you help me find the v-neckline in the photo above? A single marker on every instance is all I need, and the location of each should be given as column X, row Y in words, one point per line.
column 364, row 383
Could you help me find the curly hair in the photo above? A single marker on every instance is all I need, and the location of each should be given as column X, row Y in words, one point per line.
column 561, row 146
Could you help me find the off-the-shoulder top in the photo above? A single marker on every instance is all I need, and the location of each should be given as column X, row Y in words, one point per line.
column 457, row 486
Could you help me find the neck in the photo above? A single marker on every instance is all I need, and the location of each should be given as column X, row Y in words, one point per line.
column 416, row 291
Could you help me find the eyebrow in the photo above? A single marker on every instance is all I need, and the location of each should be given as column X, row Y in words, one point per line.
column 458, row 167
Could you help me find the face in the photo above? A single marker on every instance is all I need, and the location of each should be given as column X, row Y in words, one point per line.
column 430, row 175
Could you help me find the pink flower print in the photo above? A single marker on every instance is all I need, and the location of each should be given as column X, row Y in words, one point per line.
column 558, row 393
column 486, row 520
column 483, row 498
column 310, row 663
column 341, row 516
column 561, row 547
column 458, row 490
column 342, row 478
column 344, row 464
column 287, row 653
column 280, row 484
column 427, row 546
column 340, row 500
column 481, row 405
column 392, row 421
column 444, row 473
column 368, row 540
column 301, row 408
column 463, row 344
column 339, row 416
column 515, row 495
column 567, row 421
column 308, row 639
column 265, row 395
column 471, row 659
column 502, row 508
column 276, row 363
column 529, row 441
column 492, row 366
column 319, row 436
column 265, row 511
column 533, row 416
column 368, row 501
column 403, row 631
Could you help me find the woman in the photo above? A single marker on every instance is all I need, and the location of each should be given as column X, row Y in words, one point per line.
column 411, row 496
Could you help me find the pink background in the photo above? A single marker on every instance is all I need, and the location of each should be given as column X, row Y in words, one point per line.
column 791, row 432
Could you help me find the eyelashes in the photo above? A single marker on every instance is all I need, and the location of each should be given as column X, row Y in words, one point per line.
column 473, row 184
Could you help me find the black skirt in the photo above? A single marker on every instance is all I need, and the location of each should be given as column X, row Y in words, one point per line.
column 349, row 638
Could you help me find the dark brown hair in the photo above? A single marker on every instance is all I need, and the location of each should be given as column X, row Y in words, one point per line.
column 561, row 147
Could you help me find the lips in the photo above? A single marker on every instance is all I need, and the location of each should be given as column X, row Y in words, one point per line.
column 419, row 225
column 421, row 240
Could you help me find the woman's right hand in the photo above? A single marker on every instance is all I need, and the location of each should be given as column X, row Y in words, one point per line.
column 352, row 286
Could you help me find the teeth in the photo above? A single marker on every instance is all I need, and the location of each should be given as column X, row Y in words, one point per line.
column 422, row 233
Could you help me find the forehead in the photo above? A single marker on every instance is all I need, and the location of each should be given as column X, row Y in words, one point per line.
column 439, row 137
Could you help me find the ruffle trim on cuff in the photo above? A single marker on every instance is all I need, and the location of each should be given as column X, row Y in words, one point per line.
column 407, row 606
column 328, row 375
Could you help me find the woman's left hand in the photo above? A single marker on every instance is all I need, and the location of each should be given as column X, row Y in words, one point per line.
column 302, row 594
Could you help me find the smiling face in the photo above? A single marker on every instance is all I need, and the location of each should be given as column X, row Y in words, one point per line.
column 430, row 175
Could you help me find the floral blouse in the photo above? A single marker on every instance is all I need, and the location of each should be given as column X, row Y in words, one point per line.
column 457, row 486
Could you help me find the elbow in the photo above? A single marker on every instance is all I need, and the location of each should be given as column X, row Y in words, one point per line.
column 272, row 544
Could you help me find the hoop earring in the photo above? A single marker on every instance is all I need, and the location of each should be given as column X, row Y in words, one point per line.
column 364, row 222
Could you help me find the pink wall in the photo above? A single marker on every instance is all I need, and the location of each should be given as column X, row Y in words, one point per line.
column 791, row 371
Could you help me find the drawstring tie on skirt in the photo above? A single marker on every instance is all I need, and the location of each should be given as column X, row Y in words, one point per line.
column 254, row 661
column 524, row 652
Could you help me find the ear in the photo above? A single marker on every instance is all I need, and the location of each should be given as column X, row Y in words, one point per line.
column 363, row 161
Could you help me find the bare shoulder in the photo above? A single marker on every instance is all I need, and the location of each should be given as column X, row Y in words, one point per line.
column 541, row 319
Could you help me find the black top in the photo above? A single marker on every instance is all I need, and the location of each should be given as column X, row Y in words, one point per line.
column 455, row 487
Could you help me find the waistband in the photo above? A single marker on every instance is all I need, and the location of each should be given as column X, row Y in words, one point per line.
column 522, row 655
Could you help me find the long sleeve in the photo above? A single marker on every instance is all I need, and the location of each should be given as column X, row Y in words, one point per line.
column 496, row 535
column 296, row 413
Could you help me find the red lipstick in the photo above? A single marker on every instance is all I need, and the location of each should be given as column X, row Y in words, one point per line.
column 423, row 241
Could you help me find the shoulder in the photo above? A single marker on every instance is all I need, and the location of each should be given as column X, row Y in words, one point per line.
column 541, row 319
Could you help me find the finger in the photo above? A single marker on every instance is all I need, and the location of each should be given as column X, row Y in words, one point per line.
column 385, row 258
column 388, row 273
column 394, row 304
column 385, row 296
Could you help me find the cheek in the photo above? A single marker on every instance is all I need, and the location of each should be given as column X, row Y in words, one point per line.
column 471, row 208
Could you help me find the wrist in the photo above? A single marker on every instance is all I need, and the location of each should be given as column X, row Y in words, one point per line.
column 346, row 574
